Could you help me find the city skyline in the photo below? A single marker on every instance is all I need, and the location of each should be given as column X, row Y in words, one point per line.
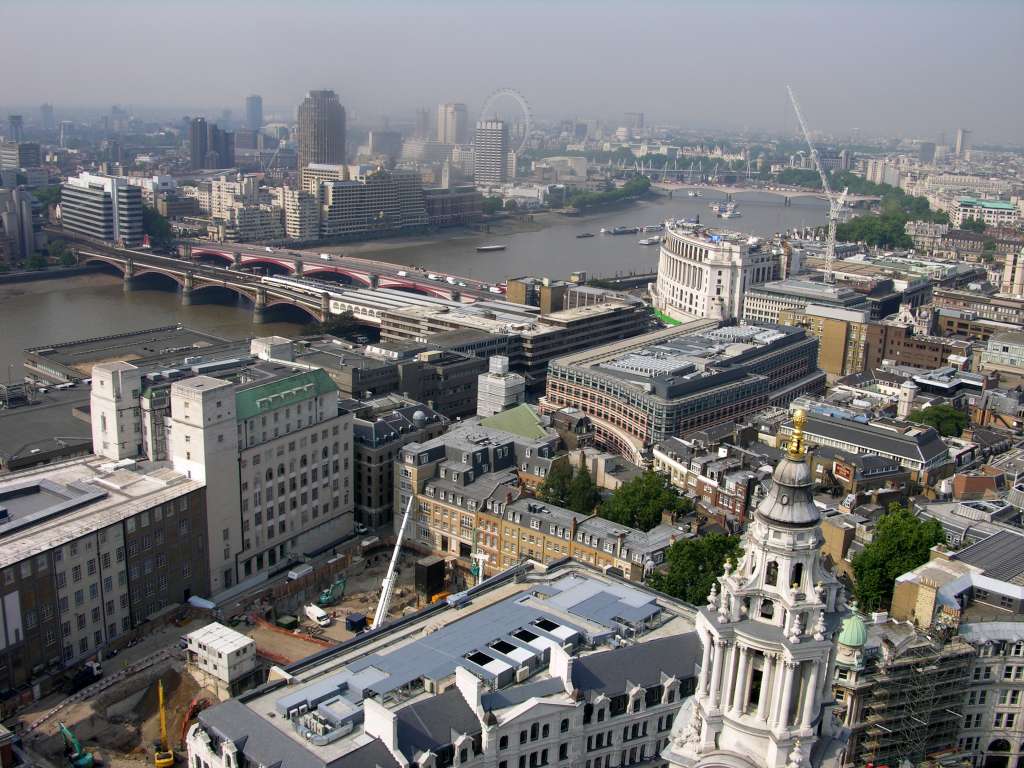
column 672, row 76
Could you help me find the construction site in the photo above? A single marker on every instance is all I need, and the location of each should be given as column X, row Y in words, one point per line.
column 117, row 720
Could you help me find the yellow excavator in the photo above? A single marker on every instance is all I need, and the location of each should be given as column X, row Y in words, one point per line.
column 163, row 757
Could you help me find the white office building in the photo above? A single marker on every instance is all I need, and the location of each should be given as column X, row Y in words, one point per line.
column 102, row 207
column 704, row 273
column 276, row 456
column 499, row 389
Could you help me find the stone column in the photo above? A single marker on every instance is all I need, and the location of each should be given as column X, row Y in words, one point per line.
column 729, row 676
column 739, row 693
column 810, row 697
column 236, row 257
column 789, row 672
column 716, row 672
column 766, row 683
column 325, row 307
column 705, row 671
column 298, row 266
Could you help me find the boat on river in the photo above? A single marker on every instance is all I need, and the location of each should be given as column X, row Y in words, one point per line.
column 489, row 248
column 649, row 241
column 581, row 235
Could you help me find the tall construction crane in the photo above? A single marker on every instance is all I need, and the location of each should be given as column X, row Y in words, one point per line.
column 387, row 587
column 835, row 201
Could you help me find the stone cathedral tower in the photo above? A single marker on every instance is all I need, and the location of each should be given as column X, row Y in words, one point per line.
column 768, row 632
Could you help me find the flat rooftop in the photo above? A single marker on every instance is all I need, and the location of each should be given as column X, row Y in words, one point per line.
column 48, row 506
column 812, row 291
column 48, row 424
column 507, row 627
column 75, row 359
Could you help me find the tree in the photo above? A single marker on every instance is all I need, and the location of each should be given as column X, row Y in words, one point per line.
column 900, row 543
column 57, row 248
column 973, row 225
column 640, row 502
column 694, row 565
column 36, row 263
column 555, row 488
column 947, row 420
column 67, row 259
column 157, row 227
column 47, row 196
column 337, row 325
column 491, row 205
column 582, row 495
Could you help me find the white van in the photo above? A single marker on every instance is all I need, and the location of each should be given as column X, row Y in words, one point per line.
column 299, row 571
column 451, row 280
column 402, row 273
column 317, row 614
column 432, row 276
column 325, row 256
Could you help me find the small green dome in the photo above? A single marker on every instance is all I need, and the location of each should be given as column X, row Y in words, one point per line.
column 855, row 633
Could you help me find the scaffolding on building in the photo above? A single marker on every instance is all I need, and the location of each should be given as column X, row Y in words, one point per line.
column 913, row 710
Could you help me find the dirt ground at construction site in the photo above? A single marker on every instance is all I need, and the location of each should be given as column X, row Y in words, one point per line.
column 121, row 723
column 362, row 592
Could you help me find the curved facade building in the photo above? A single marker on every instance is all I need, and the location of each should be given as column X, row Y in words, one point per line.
column 703, row 273
column 643, row 390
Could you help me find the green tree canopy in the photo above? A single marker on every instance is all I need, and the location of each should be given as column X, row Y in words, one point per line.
column 337, row 325
column 635, row 187
column 157, row 227
column 555, row 488
column 973, row 225
column 491, row 205
column 900, row 544
column 694, row 565
column 36, row 263
column 582, row 495
column 946, row 419
column 47, row 195
column 640, row 502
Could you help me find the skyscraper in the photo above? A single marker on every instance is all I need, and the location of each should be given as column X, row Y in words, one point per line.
column 490, row 152
column 422, row 123
column 15, row 128
column 452, row 124
column 926, row 151
column 962, row 141
column 197, row 142
column 209, row 146
column 46, row 117
column 254, row 112
column 321, row 129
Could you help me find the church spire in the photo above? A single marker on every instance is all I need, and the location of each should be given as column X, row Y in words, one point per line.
column 768, row 632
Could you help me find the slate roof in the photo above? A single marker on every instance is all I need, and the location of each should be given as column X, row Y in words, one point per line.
column 640, row 664
column 434, row 722
column 1001, row 556
column 924, row 446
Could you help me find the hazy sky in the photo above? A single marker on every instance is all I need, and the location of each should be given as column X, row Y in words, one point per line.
column 890, row 67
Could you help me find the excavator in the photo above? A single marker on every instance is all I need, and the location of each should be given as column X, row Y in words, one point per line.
column 163, row 757
column 77, row 757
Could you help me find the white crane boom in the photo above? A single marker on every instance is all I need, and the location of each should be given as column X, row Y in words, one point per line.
column 835, row 202
column 387, row 586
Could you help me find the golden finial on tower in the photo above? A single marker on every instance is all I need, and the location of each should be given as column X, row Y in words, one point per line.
column 796, row 440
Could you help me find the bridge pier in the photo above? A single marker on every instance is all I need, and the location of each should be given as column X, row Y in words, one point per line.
column 186, row 251
column 298, row 267
column 325, row 307
column 259, row 309
column 456, row 294
column 237, row 258
column 129, row 276
column 186, row 289
column 374, row 280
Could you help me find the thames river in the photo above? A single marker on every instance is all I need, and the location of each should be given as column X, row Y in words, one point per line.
column 51, row 311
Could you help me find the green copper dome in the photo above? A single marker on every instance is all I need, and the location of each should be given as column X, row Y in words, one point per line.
column 855, row 633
